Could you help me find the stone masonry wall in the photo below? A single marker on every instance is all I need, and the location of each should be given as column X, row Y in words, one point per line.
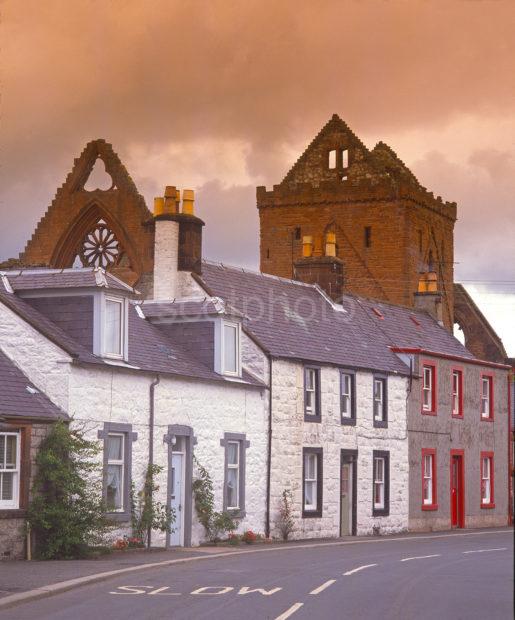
column 291, row 434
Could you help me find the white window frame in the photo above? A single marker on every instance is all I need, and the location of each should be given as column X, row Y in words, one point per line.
column 118, row 462
column 379, row 482
column 379, row 402
column 456, row 395
column 486, row 480
column 235, row 326
column 122, row 355
column 312, row 481
column 485, row 400
column 310, row 409
column 428, row 480
column 236, row 467
column 13, row 503
column 346, row 397
column 427, row 388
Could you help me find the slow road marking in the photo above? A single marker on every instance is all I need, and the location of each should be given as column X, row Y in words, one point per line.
column 356, row 570
column 421, row 557
column 485, row 550
column 323, row 586
column 290, row 611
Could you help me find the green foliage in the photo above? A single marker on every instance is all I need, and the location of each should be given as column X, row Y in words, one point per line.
column 67, row 511
column 146, row 513
column 285, row 521
column 214, row 523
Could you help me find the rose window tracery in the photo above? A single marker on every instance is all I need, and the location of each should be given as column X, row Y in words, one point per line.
column 100, row 248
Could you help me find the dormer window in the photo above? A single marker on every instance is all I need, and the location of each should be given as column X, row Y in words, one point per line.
column 114, row 327
column 230, row 348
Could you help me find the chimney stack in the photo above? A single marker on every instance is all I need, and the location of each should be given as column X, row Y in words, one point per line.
column 428, row 298
column 178, row 242
column 316, row 268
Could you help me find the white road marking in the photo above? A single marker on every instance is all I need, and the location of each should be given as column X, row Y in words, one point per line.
column 356, row 570
column 484, row 550
column 133, row 589
column 421, row 557
column 163, row 592
column 290, row 611
column 247, row 590
column 217, row 590
column 323, row 586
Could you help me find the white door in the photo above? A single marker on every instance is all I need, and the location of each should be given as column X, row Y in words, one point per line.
column 176, row 499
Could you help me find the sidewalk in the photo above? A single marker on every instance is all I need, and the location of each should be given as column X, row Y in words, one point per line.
column 17, row 577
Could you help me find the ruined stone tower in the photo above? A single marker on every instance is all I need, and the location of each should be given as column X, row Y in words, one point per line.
column 357, row 220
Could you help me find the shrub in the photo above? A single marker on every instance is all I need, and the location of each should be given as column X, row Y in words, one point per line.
column 233, row 539
column 214, row 523
column 249, row 537
column 146, row 513
column 285, row 521
column 67, row 513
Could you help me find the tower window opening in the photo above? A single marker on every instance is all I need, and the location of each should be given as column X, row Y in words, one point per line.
column 268, row 252
column 420, row 241
column 345, row 158
column 332, row 159
column 368, row 236
column 297, row 233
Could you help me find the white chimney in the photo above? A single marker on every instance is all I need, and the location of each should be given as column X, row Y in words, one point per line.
column 166, row 247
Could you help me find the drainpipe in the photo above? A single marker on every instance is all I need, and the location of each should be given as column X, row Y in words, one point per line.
column 151, row 443
column 269, row 450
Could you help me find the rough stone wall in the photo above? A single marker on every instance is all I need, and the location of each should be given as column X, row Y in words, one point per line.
column 471, row 434
column 12, row 530
column 291, row 434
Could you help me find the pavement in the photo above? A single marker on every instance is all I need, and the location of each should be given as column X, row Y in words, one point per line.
column 469, row 572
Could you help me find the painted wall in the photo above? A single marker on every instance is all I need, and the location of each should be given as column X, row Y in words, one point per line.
column 291, row 434
column 471, row 434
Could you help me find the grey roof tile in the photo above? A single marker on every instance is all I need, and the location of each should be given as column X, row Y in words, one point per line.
column 20, row 398
column 44, row 278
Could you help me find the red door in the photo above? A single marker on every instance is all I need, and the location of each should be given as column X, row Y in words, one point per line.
column 457, row 490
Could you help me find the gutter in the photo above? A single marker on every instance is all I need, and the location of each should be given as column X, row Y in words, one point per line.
column 269, row 450
column 152, row 389
column 450, row 356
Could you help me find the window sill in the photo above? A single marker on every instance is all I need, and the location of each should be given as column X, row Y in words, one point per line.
column 429, row 507
column 312, row 514
column 236, row 513
column 381, row 512
column 425, row 412
column 118, row 517
column 13, row 513
column 488, row 506
column 381, row 424
column 457, row 416
column 485, row 419
column 312, row 418
column 348, row 421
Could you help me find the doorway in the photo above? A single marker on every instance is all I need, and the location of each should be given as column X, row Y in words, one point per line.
column 348, row 492
column 177, row 498
column 457, row 489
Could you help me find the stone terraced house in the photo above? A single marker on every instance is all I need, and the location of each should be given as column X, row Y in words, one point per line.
column 270, row 383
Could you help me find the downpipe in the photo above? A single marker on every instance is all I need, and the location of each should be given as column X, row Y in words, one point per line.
column 152, row 390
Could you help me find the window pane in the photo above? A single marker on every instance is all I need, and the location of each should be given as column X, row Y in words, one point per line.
column 10, row 453
column 113, row 325
column 2, row 450
column 378, row 389
column 311, row 466
column 230, row 348
column 232, row 453
column 346, row 383
column 114, row 487
column 310, row 494
column 379, row 470
column 310, row 379
column 115, row 448
column 346, row 406
column 232, row 488
column 7, row 485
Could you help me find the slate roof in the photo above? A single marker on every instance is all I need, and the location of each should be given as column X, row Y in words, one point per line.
column 44, row 278
column 179, row 308
column 20, row 398
column 296, row 321
column 149, row 348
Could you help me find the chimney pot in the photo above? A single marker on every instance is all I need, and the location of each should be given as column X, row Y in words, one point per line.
column 159, row 206
column 188, row 200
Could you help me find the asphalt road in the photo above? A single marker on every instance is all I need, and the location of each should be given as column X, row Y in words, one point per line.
column 454, row 576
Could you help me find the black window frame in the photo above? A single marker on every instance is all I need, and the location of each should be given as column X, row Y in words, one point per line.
column 385, row 454
column 351, row 421
column 319, row 452
column 317, row 416
column 384, row 422
column 128, row 437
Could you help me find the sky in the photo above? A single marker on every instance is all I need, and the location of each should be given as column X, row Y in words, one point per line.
column 222, row 96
